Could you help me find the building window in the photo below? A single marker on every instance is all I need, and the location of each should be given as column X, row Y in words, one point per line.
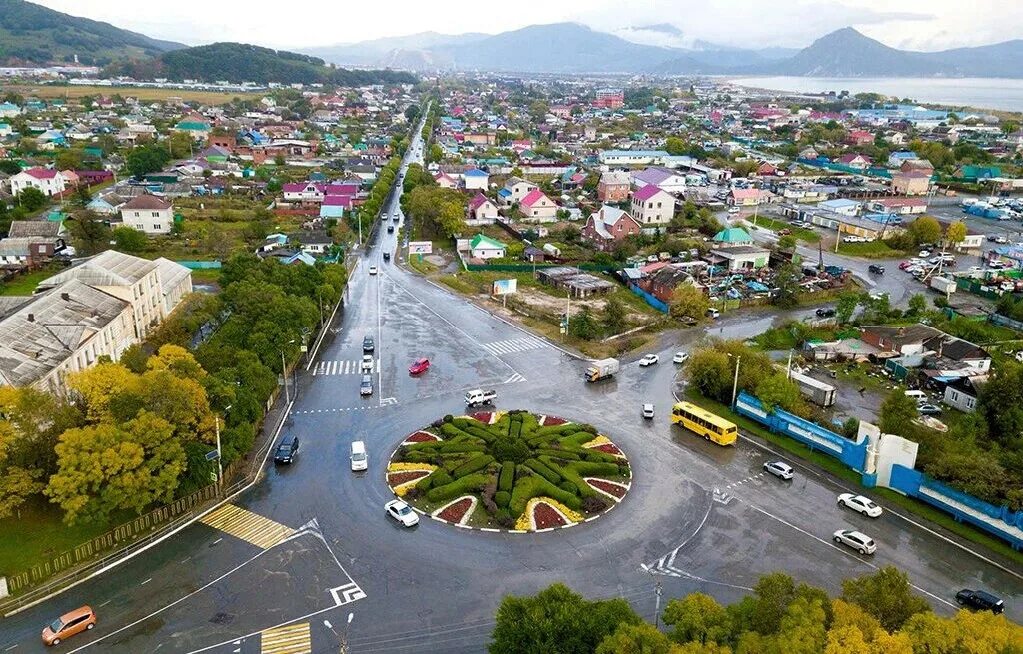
column 156, row 226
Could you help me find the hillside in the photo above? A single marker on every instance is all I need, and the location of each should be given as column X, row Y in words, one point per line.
column 847, row 53
column 32, row 34
column 240, row 62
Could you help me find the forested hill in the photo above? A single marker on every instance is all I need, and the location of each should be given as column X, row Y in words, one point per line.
column 240, row 62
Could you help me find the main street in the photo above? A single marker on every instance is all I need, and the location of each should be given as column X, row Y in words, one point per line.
column 311, row 541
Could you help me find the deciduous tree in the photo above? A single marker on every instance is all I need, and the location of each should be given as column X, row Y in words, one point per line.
column 886, row 595
column 687, row 301
column 697, row 617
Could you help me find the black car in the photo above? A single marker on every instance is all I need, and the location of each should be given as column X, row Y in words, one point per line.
column 390, row 229
column 287, row 451
column 367, row 344
column 980, row 600
column 876, row 269
column 387, row 256
column 825, row 312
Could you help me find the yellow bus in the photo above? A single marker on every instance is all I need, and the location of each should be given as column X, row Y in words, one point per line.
column 704, row 423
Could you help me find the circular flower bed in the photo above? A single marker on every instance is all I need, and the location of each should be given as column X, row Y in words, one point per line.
column 514, row 470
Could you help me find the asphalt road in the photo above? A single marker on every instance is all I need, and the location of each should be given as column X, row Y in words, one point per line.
column 698, row 517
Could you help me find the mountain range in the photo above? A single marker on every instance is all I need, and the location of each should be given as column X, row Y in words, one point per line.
column 575, row 48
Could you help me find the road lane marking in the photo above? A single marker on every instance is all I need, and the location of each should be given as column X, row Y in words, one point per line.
column 289, row 639
column 248, row 526
column 513, row 345
column 146, row 581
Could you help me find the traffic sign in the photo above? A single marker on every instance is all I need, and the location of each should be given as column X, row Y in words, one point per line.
column 212, row 455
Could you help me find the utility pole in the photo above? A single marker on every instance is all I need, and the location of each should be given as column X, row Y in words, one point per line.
column 735, row 383
column 657, row 604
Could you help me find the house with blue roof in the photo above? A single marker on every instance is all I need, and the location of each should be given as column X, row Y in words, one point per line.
column 9, row 110
column 476, row 179
column 841, row 206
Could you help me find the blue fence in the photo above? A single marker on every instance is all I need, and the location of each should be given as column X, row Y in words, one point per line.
column 851, row 453
column 997, row 520
column 200, row 265
column 650, row 299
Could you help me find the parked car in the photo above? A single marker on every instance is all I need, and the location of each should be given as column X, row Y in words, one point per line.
column 648, row 411
column 826, row 312
column 929, row 409
column 366, row 387
column 876, row 269
column 924, row 253
column 402, row 512
column 287, row 450
column 648, row 360
column 680, row 357
column 69, row 624
column 734, row 210
column 980, row 600
column 779, row 469
column 860, row 504
column 858, row 541
column 419, row 366
column 367, row 344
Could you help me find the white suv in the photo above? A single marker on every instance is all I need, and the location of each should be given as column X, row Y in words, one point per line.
column 858, row 541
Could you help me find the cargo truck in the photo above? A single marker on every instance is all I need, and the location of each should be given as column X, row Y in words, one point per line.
column 602, row 369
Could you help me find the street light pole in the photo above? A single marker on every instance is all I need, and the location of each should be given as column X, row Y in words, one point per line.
column 735, row 383
column 343, row 636
column 284, row 376
column 220, row 458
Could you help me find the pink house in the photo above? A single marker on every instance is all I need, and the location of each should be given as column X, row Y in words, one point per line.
column 481, row 210
column 537, row 207
column 445, row 181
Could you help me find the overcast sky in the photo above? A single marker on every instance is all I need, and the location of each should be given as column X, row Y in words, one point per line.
column 912, row 24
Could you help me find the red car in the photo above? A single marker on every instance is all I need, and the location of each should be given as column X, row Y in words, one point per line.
column 419, row 366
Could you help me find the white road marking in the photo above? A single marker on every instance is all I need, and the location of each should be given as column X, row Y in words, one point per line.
column 146, row 581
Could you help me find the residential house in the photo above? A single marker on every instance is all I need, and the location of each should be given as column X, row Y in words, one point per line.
column 148, row 214
column 732, row 237
column 614, row 187
column 537, row 207
column 316, row 243
column 858, row 137
column 855, row 161
column 669, row 180
column 898, row 206
column 514, row 190
column 963, row 393
column 476, row 180
column 32, row 243
column 662, row 280
column 652, row 206
column 740, row 257
column 333, row 206
column 484, row 247
column 608, row 227
column 911, row 182
column 305, row 192
column 744, row 197
column 50, row 182
column 103, row 206
column 841, row 206
column 481, row 210
column 9, row 110
column 928, row 347
column 445, row 181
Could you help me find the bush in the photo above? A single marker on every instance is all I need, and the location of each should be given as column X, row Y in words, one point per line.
column 559, row 454
column 448, row 418
column 502, row 498
column 593, row 468
column 544, row 471
column 472, row 465
column 569, row 487
column 507, row 477
column 466, row 484
column 577, row 439
column 455, row 448
column 530, row 487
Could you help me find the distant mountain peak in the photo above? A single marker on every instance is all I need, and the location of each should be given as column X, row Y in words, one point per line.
column 663, row 28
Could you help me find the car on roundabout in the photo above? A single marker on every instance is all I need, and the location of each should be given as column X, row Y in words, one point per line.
column 860, row 504
column 648, row 411
column 402, row 513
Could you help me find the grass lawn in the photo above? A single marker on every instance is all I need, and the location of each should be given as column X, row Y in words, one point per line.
column 38, row 535
column 143, row 94
column 801, row 233
column 870, row 250
column 424, row 267
column 206, row 276
column 839, row 470
column 25, row 283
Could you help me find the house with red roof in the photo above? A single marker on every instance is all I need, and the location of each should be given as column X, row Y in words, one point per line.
column 744, row 197
column 608, row 227
column 50, row 182
column 859, row 137
column 537, row 207
column 480, row 211
column 148, row 214
column 652, row 207
column 900, row 206
column 302, row 192
column 857, row 161
column 445, row 181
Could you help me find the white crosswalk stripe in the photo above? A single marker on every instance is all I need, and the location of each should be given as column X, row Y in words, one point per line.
column 344, row 367
column 511, row 345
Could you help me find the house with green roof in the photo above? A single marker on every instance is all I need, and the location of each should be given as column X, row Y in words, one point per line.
column 484, row 247
column 732, row 237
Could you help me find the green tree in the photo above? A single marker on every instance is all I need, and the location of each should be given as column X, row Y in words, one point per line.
column 89, row 233
column 897, row 411
column 886, row 595
column 687, row 301
column 69, row 159
column 955, row 233
column 180, row 145
column 917, row 304
column 674, row 146
column 582, row 325
column 557, row 621
column 787, row 281
column 787, row 242
column 925, row 229
column 129, row 239
column 698, row 617
column 32, row 199
column 710, row 372
column 615, row 315
column 775, row 390
column 846, row 306
column 1001, row 401
column 641, row 638
column 146, row 159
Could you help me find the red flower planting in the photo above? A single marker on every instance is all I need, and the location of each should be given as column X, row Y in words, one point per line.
column 608, row 487
column 545, row 516
column 607, row 448
column 553, row 421
column 482, row 416
column 455, row 512
column 399, row 478
column 421, row 437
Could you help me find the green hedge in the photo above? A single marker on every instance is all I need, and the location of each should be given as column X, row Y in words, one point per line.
column 467, row 484
column 502, row 499
column 529, row 487
column 571, row 476
column 438, row 477
column 456, row 448
column 577, row 439
column 594, row 469
column 544, row 471
column 560, row 454
column 472, row 465
column 506, row 480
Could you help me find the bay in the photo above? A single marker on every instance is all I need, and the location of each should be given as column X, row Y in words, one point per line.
column 978, row 92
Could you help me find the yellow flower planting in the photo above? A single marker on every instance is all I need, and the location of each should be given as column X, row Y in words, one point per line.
column 598, row 441
column 525, row 520
column 402, row 466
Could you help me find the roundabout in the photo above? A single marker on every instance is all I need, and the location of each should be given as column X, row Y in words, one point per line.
column 509, row 471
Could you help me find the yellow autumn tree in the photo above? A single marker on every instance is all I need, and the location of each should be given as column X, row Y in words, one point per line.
column 98, row 385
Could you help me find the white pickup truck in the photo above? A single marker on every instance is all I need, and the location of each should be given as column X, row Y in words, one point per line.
column 478, row 397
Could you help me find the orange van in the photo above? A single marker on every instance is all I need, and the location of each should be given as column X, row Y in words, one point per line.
column 69, row 624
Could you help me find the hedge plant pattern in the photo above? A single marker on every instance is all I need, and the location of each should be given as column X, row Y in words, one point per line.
column 514, row 464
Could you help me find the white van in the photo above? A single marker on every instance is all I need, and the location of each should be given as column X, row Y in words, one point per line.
column 359, row 459
column 713, row 313
column 919, row 396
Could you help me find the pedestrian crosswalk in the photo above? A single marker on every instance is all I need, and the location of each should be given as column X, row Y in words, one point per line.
column 249, row 526
column 345, row 368
column 289, row 639
column 514, row 345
